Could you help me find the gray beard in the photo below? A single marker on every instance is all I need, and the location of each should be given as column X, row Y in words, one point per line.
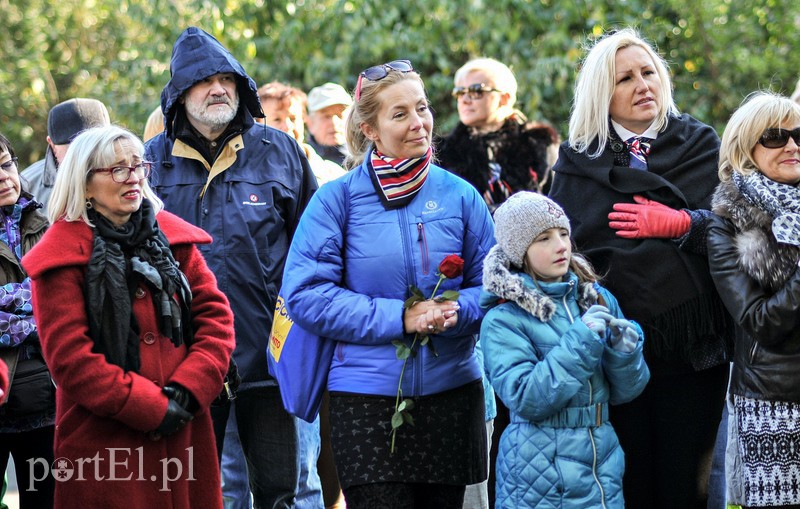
column 216, row 120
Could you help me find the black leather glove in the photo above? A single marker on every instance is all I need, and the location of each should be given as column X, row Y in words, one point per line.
column 175, row 419
column 180, row 395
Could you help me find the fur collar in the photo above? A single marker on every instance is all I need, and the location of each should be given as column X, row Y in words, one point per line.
column 761, row 257
column 503, row 280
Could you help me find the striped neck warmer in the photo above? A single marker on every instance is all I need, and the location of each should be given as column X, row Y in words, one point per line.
column 397, row 181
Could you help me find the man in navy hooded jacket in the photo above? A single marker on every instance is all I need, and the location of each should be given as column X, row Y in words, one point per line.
column 246, row 185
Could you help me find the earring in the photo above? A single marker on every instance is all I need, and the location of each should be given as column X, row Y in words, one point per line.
column 89, row 205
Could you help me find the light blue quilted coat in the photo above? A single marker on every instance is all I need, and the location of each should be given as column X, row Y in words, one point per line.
column 557, row 378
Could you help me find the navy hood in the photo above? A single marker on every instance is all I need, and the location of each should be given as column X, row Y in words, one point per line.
column 197, row 55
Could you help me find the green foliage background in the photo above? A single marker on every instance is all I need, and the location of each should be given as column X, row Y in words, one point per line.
column 119, row 51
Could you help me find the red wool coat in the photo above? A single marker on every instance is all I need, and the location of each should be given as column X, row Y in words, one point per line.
column 104, row 456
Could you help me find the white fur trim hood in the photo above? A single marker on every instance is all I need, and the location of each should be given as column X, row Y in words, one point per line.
column 500, row 280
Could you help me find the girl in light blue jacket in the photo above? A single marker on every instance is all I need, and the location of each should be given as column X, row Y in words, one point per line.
column 557, row 351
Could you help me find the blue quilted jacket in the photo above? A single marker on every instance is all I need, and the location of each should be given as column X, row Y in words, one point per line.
column 557, row 378
column 349, row 269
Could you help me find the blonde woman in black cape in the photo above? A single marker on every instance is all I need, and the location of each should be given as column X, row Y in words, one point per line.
column 635, row 178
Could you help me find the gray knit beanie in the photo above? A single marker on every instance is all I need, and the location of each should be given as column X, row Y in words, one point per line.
column 521, row 218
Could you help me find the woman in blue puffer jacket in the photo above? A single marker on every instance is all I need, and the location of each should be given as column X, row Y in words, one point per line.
column 557, row 351
column 362, row 242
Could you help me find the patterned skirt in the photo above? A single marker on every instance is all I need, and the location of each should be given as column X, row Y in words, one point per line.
column 769, row 452
column 446, row 445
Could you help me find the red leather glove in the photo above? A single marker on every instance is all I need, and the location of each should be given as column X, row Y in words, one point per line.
column 647, row 219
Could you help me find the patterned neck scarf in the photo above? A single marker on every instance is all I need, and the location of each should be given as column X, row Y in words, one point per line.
column 10, row 232
column 780, row 201
column 397, row 181
column 639, row 147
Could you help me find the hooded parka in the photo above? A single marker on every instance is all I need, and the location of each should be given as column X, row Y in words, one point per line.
column 249, row 199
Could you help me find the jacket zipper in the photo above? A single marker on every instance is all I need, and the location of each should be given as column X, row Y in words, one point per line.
column 589, row 429
column 423, row 247
column 564, row 302
column 412, row 280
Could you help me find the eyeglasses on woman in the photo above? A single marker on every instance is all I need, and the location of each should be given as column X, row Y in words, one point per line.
column 121, row 174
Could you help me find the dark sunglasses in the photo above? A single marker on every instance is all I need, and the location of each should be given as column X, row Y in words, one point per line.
column 378, row 72
column 474, row 91
column 778, row 138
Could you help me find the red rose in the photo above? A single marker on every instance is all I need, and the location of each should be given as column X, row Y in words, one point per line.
column 452, row 266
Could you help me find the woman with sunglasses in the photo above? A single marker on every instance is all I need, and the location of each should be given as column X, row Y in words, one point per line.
column 636, row 178
column 753, row 250
column 135, row 331
column 493, row 146
column 362, row 242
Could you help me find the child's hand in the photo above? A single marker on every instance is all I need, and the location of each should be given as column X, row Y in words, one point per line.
column 597, row 318
column 623, row 337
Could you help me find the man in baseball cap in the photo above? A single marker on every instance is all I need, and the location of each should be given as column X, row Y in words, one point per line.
column 326, row 106
column 64, row 122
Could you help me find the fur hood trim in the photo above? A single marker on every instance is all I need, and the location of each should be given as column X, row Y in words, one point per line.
column 502, row 279
column 761, row 256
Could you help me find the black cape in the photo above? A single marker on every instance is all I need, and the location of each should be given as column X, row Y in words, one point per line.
column 668, row 290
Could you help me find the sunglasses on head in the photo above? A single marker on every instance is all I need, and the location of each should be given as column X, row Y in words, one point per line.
column 778, row 138
column 474, row 91
column 378, row 72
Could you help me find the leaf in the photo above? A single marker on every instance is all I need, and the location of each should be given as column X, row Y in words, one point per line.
column 407, row 418
column 450, row 295
column 397, row 420
column 409, row 303
column 424, row 340
column 416, row 296
column 406, row 404
column 402, row 352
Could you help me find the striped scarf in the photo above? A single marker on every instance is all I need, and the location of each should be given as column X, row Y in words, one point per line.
column 397, row 181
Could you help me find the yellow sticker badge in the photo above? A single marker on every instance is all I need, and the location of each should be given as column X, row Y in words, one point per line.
column 281, row 325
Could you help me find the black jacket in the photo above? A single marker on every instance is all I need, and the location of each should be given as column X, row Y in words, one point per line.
column 759, row 283
column 519, row 148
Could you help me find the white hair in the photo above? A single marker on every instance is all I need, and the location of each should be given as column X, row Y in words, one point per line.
column 93, row 148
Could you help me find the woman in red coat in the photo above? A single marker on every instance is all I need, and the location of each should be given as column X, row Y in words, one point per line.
column 135, row 331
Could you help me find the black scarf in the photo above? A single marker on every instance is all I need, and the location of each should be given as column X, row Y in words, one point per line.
column 122, row 258
column 668, row 290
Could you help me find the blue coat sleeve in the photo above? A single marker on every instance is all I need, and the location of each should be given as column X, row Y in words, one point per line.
column 533, row 383
column 627, row 373
column 312, row 283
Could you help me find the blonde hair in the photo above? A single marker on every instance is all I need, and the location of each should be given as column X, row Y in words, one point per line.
column 595, row 85
column 499, row 73
column 796, row 94
column 365, row 110
column 93, row 148
column 758, row 112
column 154, row 125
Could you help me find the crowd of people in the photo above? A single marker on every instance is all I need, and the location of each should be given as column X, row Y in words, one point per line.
column 512, row 321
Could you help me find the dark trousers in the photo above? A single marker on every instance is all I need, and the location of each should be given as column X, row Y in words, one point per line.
column 501, row 422
column 31, row 445
column 668, row 435
column 270, row 440
column 404, row 496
